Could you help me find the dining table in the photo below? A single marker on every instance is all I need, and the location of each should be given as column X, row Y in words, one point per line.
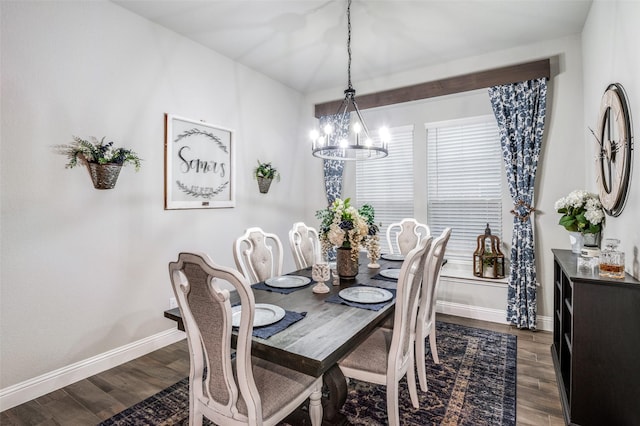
column 328, row 331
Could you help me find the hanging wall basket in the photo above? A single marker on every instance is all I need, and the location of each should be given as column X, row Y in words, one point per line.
column 104, row 176
column 264, row 184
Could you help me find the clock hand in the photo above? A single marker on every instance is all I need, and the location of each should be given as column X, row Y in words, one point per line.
column 594, row 135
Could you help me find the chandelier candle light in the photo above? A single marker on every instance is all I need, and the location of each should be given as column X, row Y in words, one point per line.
column 332, row 144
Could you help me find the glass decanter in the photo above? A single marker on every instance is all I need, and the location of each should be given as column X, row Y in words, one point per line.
column 611, row 260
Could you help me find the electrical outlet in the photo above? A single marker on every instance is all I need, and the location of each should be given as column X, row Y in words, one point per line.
column 173, row 303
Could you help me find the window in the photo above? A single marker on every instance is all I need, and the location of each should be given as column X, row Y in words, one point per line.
column 387, row 184
column 464, row 182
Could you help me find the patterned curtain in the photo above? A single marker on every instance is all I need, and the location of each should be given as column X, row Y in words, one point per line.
column 520, row 111
column 333, row 168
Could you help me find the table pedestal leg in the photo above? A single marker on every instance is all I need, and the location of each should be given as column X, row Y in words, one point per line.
column 334, row 395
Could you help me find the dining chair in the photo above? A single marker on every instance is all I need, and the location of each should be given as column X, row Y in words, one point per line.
column 244, row 390
column 305, row 245
column 404, row 236
column 388, row 355
column 258, row 255
column 426, row 324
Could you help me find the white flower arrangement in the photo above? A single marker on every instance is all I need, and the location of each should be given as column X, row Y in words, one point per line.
column 345, row 226
column 581, row 212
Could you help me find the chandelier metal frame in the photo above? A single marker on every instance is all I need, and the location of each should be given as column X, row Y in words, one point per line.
column 338, row 146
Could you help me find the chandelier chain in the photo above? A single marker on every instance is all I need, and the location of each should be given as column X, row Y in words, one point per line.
column 349, row 44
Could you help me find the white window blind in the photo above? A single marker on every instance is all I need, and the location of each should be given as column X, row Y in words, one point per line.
column 387, row 184
column 464, row 185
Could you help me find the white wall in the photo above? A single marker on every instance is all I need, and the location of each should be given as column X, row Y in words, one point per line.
column 558, row 172
column 611, row 55
column 85, row 271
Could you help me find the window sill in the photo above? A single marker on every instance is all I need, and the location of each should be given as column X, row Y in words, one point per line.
column 462, row 271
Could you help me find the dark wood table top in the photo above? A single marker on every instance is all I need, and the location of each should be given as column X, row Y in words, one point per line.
column 328, row 332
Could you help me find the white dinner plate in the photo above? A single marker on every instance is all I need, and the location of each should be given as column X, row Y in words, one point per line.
column 393, row 256
column 364, row 294
column 265, row 314
column 287, row 281
column 390, row 273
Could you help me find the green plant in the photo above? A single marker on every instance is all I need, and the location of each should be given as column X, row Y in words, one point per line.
column 267, row 171
column 98, row 152
column 488, row 259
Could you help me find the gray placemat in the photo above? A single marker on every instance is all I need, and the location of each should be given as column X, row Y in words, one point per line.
column 383, row 278
column 290, row 317
column 335, row 298
column 265, row 287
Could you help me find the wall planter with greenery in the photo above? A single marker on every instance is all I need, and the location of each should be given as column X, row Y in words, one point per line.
column 265, row 173
column 103, row 160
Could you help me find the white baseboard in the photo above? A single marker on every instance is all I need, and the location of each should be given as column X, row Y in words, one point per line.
column 486, row 314
column 41, row 385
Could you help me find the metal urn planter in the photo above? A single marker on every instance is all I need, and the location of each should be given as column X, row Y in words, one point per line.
column 346, row 266
column 264, row 184
column 104, row 176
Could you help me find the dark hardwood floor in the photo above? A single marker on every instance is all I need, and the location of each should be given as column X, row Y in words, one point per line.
column 97, row 398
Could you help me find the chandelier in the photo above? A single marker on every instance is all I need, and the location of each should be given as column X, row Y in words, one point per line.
column 341, row 141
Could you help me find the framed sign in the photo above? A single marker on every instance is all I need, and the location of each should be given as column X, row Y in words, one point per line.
column 199, row 165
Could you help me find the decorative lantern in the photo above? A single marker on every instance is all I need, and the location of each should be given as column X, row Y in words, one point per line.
column 488, row 260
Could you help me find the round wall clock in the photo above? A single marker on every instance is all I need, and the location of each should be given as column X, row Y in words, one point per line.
column 613, row 150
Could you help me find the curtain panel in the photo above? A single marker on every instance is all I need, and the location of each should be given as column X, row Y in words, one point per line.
column 333, row 168
column 520, row 112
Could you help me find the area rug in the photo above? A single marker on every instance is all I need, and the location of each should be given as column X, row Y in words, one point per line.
column 474, row 384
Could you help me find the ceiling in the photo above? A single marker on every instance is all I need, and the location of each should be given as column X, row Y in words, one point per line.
column 302, row 43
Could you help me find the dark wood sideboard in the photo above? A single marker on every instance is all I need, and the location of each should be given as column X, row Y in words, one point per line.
column 596, row 344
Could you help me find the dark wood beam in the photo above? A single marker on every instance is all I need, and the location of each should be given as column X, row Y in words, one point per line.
column 446, row 86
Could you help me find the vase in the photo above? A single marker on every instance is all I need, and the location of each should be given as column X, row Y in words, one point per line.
column 104, row 176
column 575, row 238
column 264, row 184
column 591, row 240
column 346, row 266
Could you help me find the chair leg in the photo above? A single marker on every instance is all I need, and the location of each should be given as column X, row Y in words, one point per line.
column 411, row 383
column 195, row 417
column 315, row 407
column 193, row 414
column 420, row 361
column 434, row 347
column 393, row 411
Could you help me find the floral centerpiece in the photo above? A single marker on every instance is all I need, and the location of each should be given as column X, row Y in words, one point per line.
column 344, row 226
column 581, row 212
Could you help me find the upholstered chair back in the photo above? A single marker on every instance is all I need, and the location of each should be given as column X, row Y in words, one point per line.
column 305, row 245
column 258, row 255
column 404, row 236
